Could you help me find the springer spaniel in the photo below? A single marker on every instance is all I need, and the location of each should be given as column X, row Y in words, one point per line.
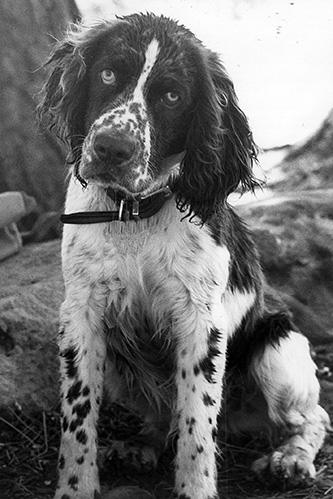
column 164, row 291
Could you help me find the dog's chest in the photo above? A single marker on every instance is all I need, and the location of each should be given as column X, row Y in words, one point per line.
column 143, row 271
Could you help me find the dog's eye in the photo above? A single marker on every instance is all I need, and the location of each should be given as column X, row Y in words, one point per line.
column 171, row 99
column 108, row 77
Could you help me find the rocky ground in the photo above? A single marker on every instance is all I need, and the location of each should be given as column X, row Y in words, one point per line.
column 293, row 227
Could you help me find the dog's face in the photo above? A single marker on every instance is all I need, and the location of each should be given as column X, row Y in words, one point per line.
column 141, row 94
column 143, row 105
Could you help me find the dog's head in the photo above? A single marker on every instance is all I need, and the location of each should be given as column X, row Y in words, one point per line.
column 144, row 104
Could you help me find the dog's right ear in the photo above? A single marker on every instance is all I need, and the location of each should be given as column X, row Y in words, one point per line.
column 62, row 107
column 65, row 93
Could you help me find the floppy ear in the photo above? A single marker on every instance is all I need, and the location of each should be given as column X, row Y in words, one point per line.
column 219, row 150
column 65, row 94
column 63, row 104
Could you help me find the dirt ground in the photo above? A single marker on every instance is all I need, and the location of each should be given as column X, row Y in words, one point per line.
column 29, row 446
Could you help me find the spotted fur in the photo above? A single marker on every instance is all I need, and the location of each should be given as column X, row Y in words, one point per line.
column 158, row 310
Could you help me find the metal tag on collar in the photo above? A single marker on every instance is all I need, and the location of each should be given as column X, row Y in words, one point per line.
column 135, row 209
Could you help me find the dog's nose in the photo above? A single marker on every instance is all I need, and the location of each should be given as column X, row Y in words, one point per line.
column 114, row 149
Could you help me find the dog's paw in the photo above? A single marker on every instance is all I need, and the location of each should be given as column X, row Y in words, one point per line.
column 289, row 465
column 134, row 455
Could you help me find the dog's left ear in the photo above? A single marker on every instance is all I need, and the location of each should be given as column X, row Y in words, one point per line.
column 220, row 149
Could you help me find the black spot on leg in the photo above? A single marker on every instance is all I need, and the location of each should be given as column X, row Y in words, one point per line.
column 206, row 364
column 200, row 449
column 65, row 496
column 61, row 462
column 206, row 473
column 85, row 391
column 214, row 336
column 70, row 355
column 208, row 368
column 73, row 481
column 64, row 424
column 210, row 421
column 183, row 374
column 80, row 460
column 74, row 392
column 214, row 434
column 207, row 400
column 82, row 410
column 191, row 423
column 75, row 424
column 82, row 437
column 196, row 370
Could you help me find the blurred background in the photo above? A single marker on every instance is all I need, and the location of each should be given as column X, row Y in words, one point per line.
column 279, row 53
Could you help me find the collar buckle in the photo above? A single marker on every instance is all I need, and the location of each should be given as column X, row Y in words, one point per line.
column 135, row 210
column 121, row 209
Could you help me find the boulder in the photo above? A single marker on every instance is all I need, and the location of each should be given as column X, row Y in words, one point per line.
column 30, row 296
column 294, row 235
column 308, row 164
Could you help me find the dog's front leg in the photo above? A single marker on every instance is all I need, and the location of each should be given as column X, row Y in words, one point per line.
column 200, row 368
column 82, row 357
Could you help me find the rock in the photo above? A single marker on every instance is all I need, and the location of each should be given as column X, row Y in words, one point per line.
column 30, row 296
column 30, row 160
column 309, row 164
column 294, row 235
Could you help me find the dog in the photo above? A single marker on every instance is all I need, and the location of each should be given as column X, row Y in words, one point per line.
column 165, row 298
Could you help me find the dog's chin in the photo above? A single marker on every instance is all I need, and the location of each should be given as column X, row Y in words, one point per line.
column 130, row 185
column 127, row 184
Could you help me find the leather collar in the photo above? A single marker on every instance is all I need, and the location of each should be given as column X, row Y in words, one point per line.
column 136, row 208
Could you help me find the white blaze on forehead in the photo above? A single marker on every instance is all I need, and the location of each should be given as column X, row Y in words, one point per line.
column 138, row 97
column 151, row 57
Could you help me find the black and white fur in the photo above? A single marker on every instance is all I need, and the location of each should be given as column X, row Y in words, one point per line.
column 156, row 309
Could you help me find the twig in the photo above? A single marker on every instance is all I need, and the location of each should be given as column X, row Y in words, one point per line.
column 17, row 430
column 328, row 491
column 46, row 443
